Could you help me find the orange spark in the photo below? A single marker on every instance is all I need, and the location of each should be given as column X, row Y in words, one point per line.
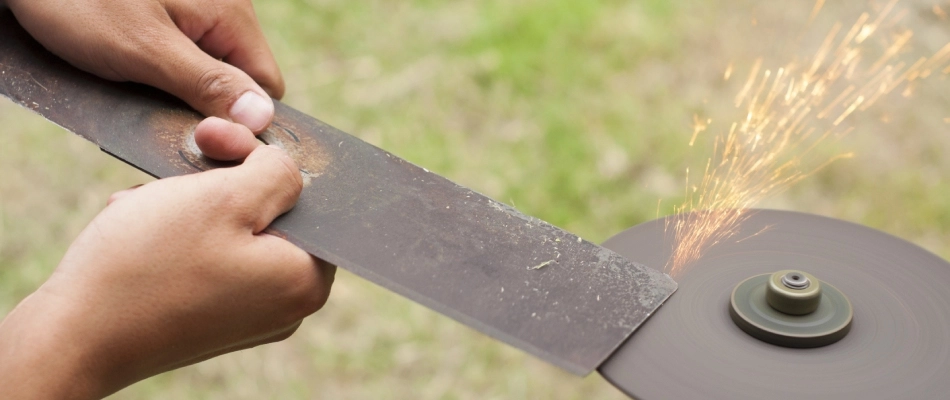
column 784, row 109
column 939, row 12
column 816, row 9
column 699, row 125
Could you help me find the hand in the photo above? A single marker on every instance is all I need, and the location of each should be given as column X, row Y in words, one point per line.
column 174, row 45
column 169, row 274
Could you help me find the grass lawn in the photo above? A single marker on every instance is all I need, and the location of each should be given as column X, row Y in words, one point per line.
column 576, row 112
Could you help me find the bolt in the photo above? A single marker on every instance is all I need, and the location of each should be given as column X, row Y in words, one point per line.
column 795, row 280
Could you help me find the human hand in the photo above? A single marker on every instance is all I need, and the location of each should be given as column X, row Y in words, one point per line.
column 174, row 45
column 169, row 274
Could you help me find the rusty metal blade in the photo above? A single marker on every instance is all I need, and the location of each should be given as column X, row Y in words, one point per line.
column 513, row 277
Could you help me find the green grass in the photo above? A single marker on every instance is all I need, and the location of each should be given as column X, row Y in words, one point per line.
column 576, row 112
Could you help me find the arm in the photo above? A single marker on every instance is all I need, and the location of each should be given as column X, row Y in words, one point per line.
column 179, row 270
column 169, row 274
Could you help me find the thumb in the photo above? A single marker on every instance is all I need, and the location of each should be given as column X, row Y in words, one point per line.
column 212, row 87
column 268, row 182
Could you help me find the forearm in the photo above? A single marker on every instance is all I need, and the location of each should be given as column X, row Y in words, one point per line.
column 39, row 361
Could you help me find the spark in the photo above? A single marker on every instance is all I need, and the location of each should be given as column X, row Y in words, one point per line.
column 766, row 228
column 699, row 125
column 814, row 11
column 939, row 12
column 786, row 113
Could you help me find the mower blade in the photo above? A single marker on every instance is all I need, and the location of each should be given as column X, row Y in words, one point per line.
column 513, row 277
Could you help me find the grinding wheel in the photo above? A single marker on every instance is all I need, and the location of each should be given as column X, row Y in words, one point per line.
column 898, row 346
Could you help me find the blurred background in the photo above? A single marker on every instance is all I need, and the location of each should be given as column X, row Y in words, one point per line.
column 575, row 112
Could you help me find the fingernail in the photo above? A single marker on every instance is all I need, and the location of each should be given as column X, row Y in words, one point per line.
column 252, row 111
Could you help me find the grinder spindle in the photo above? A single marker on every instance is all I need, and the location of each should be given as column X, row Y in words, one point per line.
column 791, row 308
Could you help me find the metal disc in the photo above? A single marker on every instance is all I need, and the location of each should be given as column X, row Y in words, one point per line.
column 898, row 346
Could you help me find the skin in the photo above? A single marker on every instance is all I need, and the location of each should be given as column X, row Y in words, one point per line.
column 209, row 53
column 182, row 269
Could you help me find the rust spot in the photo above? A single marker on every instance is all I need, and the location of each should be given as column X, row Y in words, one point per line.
column 309, row 155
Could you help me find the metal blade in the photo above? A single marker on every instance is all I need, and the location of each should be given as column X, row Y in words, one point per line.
column 513, row 277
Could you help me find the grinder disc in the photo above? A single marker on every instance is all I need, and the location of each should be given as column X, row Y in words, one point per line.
column 898, row 345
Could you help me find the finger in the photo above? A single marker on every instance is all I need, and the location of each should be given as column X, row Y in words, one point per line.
column 210, row 86
column 269, row 183
column 235, row 36
column 327, row 272
column 140, row 41
column 223, row 140
column 304, row 280
column 120, row 194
